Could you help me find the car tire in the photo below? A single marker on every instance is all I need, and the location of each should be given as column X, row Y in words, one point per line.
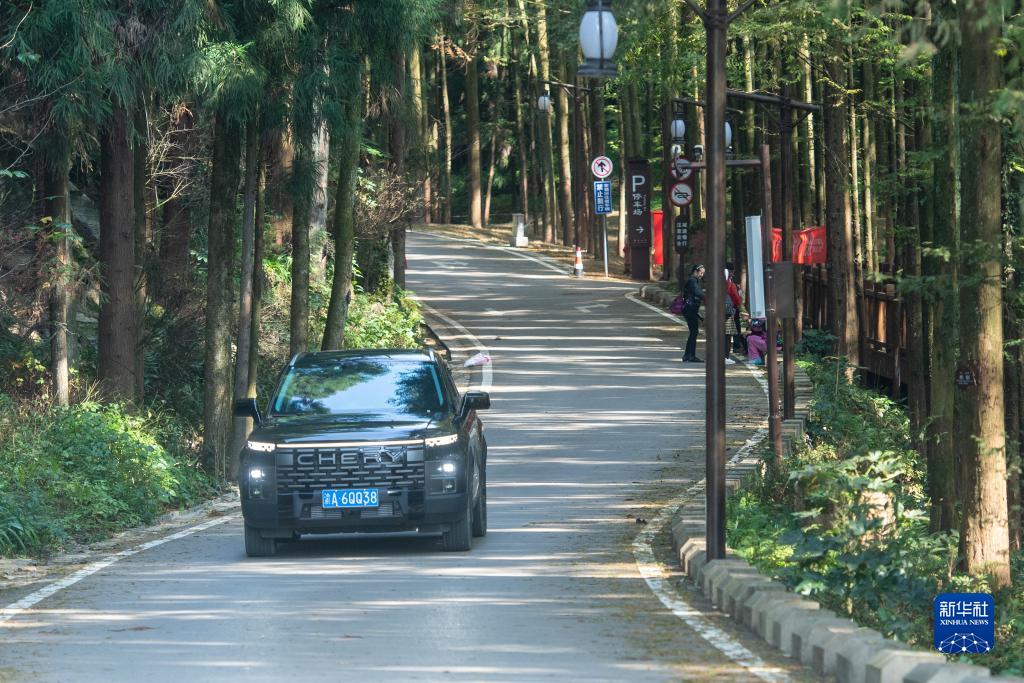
column 480, row 507
column 459, row 536
column 256, row 545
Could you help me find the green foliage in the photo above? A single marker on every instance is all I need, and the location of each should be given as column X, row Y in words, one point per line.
column 817, row 343
column 378, row 321
column 845, row 521
column 80, row 473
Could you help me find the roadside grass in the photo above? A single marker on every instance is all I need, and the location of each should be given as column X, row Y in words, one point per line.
column 845, row 521
column 79, row 474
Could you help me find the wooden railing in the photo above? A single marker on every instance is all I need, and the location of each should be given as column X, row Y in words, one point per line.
column 883, row 333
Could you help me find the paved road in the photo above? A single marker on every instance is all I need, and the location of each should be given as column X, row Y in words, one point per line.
column 594, row 420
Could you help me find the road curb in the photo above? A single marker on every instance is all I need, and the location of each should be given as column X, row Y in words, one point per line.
column 799, row 628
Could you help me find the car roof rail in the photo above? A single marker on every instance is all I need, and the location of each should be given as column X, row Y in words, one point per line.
column 291, row 363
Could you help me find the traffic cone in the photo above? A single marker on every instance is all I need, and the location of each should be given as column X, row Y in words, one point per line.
column 577, row 266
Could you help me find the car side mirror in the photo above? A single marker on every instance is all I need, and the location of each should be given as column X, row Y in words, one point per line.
column 246, row 407
column 475, row 400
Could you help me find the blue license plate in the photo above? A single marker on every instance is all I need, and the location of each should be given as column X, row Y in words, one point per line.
column 350, row 498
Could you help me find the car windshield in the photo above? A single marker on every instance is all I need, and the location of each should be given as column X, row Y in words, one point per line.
column 362, row 388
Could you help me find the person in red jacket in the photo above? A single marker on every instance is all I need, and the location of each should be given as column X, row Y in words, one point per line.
column 733, row 303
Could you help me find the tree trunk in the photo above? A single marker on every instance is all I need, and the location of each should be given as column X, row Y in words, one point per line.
column 446, row 171
column 258, row 279
column 805, row 138
column 139, row 163
column 420, row 115
column 398, row 143
column 870, row 155
column 913, row 228
column 224, row 176
column 842, row 288
column 318, row 213
column 492, row 167
column 58, row 207
column 118, row 314
column 299, row 308
column 473, row 134
column 175, row 260
column 942, row 459
column 980, row 418
column 279, row 178
column 344, row 228
column 547, row 134
column 565, row 155
column 522, row 144
column 253, row 159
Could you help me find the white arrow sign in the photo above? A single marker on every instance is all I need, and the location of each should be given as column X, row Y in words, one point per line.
column 682, row 194
column 602, row 167
column 587, row 308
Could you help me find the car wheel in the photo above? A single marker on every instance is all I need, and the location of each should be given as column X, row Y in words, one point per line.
column 256, row 545
column 459, row 536
column 480, row 507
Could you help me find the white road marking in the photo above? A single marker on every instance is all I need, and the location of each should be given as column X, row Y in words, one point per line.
column 544, row 261
column 32, row 599
column 658, row 581
column 586, row 309
column 657, row 578
column 487, row 371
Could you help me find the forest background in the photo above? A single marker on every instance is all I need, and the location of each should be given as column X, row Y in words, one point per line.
column 193, row 191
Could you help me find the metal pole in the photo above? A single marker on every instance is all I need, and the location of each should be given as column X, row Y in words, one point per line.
column 789, row 324
column 604, row 228
column 716, row 22
column 771, row 361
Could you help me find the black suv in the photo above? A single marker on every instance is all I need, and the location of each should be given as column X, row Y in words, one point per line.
column 367, row 441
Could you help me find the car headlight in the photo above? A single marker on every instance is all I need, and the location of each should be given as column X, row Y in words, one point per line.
column 256, row 474
column 436, row 441
column 261, row 446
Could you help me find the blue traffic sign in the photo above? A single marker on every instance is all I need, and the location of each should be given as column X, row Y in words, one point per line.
column 602, row 197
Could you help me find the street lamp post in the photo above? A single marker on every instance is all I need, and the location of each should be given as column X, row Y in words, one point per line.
column 716, row 19
column 599, row 36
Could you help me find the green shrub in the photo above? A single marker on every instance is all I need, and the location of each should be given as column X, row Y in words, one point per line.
column 817, row 343
column 845, row 521
column 380, row 321
column 80, row 473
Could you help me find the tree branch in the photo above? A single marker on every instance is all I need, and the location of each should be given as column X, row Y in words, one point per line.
column 740, row 10
column 697, row 9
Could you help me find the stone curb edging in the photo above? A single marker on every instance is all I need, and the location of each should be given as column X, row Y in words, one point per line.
column 800, row 628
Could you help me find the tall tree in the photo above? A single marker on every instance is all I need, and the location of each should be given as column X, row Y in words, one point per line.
column 942, row 264
column 118, row 314
column 981, row 432
column 842, row 270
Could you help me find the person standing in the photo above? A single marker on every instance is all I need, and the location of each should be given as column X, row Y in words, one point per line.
column 693, row 296
column 733, row 303
column 739, row 343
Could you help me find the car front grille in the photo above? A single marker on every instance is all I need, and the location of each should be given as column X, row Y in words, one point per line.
column 385, row 509
column 310, row 470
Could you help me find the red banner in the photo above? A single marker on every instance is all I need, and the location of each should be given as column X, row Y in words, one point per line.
column 809, row 246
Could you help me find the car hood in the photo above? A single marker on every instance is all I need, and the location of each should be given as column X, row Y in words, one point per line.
column 295, row 431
